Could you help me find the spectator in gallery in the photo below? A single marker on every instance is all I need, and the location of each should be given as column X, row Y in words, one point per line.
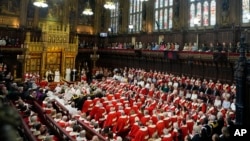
column 3, row 42
column 231, row 47
column 177, row 46
column 149, row 46
column 156, row 46
column 185, row 48
column 218, row 47
column 224, row 47
column 237, row 47
column 195, row 47
column 203, row 47
column 211, row 47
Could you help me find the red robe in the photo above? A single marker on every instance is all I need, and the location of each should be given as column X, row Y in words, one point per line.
column 154, row 119
column 203, row 107
column 117, row 95
column 110, row 120
column 107, row 107
column 167, row 121
column 174, row 134
column 100, row 114
column 95, row 100
column 151, row 129
column 160, row 125
column 87, row 105
column 84, row 78
column 134, row 128
column 132, row 119
column 121, row 125
column 127, row 110
column 151, row 93
column 62, row 123
column 141, row 134
column 143, row 91
column 190, row 125
column 184, row 129
column 145, row 119
column 94, row 111
column 167, row 137
column 110, row 97
column 43, row 83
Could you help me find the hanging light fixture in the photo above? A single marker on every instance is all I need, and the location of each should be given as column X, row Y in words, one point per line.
column 40, row 3
column 87, row 10
column 109, row 5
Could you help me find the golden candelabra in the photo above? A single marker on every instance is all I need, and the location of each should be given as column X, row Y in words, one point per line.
column 94, row 57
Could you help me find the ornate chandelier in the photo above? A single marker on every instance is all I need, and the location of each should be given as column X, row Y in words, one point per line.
column 87, row 10
column 40, row 3
column 109, row 5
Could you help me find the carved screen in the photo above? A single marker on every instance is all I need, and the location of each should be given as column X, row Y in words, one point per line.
column 69, row 62
column 53, row 61
column 33, row 65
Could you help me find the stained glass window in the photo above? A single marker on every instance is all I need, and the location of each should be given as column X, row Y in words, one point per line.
column 135, row 15
column 114, row 22
column 202, row 13
column 163, row 14
column 245, row 11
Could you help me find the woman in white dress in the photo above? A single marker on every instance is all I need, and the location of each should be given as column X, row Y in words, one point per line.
column 67, row 77
column 57, row 76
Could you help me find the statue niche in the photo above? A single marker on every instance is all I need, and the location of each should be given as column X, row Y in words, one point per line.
column 225, row 12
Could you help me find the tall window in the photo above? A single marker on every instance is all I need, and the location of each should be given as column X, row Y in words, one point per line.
column 202, row 13
column 245, row 11
column 163, row 14
column 135, row 15
column 115, row 14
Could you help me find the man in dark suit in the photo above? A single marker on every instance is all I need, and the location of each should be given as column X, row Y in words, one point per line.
column 208, row 90
column 73, row 75
column 216, row 92
column 196, row 134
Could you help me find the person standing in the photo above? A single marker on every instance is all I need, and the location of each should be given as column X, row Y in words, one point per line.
column 57, row 76
column 67, row 76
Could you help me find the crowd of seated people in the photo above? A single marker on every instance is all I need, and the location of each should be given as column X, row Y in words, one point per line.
column 9, row 42
column 37, row 127
column 171, row 46
column 31, row 128
column 135, row 104
column 217, row 47
column 185, row 105
column 145, row 98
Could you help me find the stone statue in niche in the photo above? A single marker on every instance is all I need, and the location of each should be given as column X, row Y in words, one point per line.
column 176, row 8
column 143, row 28
column 225, row 11
column 176, row 11
column 55, row 10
